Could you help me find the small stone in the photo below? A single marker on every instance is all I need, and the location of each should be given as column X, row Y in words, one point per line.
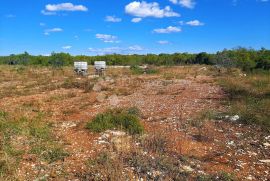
column 230, row 143
column 187, row 168
column 265, row 161
column 101, row 97
column 234, row 118
column 97, row 88
column 114, row 101
column 249, row 177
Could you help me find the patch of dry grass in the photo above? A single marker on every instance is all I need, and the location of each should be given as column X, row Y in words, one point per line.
column 249, row 97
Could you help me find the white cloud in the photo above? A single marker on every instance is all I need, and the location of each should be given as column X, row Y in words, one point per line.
column 144, row 9
column 51, row 9
column 195, row 23
column 53, row 30
column 163, row 42
column 136, row 20
column 48, row 13
column 42, row 24
column 120, row 50
column 113, row 19
column 65, row 7
column 67, row 47
column 169, row 29
column 107, row 38
column 102, row 51
column 135, row 48
column 185, row 3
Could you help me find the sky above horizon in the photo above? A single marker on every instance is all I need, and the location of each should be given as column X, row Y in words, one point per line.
column 97, row 27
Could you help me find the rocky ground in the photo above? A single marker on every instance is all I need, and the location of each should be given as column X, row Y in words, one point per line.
column 169, row 101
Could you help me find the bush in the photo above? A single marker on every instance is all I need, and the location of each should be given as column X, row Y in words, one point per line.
column 116, row 119
column 135, row 69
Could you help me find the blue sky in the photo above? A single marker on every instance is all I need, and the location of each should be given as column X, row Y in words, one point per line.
column 92, row 27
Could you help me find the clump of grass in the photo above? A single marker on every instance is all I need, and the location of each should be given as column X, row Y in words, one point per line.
column 72, row 83
column 54, row 154
column 221, row 176
column 116, row 119
column 135, row 69
column 155, row 142
column 199, row 123
column 104, row 167
column 134, row 111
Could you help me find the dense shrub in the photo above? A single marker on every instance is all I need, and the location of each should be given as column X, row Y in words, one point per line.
column 246, row 59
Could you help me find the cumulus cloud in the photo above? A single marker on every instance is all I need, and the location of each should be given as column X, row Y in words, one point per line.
column 112, row 50
column 51, row 9
column 67, row 47
column 144, row 9
column 135, row 48
column 53, row 30
column 102, row 51
column 65, row 7
column 112, row 19
column 107, row 38
column 47, row 13
column 169, row 29
column 136, row 20
column 163, row 42
column 195, row 23
column 185, row 3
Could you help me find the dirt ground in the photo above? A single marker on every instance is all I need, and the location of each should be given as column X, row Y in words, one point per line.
column 168, row 101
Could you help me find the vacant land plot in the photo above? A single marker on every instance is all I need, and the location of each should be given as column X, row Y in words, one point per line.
column 172, row 123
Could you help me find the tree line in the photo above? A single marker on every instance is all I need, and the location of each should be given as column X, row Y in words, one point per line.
column 244, row 58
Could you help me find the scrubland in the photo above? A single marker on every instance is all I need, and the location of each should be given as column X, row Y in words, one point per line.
column 166, row 123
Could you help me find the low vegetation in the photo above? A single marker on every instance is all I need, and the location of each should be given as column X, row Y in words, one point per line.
column 24, row 137
column 124, row 119
column 135, row 69
column 249, row 97
column 246, row 59
column 160, row 144
column 108, row 166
